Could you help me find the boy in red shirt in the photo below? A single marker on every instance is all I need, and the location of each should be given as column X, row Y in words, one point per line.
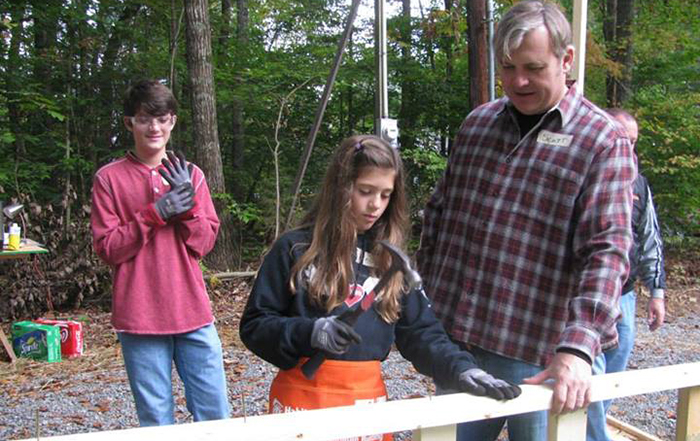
column 152, row 220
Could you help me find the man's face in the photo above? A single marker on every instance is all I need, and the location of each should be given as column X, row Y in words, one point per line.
column 533, row 77
column 631, row 128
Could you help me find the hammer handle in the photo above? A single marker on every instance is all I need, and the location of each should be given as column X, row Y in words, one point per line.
column 350, row 317
column 309, row 368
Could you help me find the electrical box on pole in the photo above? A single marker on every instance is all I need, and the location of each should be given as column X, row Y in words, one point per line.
column 385, row 127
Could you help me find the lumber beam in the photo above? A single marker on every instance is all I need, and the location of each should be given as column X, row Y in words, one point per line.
column 688, row 414
column 439, row 433
column 427, row 412
column 567, row 426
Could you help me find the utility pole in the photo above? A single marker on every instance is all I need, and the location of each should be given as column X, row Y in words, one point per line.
column 579, row 37
column 478, row 59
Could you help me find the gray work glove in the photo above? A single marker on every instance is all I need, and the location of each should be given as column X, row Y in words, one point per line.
column 178, row 173
column 180, row 198
column 477, row 382
column 333, row 335
column 175, row 202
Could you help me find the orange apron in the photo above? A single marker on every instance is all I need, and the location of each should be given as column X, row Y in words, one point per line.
column 337, row 383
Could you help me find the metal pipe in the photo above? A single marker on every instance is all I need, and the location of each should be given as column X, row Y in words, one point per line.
column 382, row 94
column 491, row 52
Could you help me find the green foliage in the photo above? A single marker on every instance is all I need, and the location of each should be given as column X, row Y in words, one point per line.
column 60, row 103
column 242, row 212
column 425, row 167
column 666, row 78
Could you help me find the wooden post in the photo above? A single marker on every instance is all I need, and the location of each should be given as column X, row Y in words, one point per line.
column 440, row 433
column 478, row 53
column 579, row 36
column 567, row 426
column 688, row 422
column 8, row 347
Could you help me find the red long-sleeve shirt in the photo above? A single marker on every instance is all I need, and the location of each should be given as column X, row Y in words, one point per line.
column 157, row 283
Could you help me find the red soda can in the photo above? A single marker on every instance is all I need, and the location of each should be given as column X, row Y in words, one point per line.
column 71, row 335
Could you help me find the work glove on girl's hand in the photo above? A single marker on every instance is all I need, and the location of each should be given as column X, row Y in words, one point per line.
column 477, row 382
column 332, row 335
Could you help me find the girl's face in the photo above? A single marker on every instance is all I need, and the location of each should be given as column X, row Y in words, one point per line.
column 371, row 195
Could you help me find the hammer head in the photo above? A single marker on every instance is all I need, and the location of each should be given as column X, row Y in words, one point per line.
column 401, row 262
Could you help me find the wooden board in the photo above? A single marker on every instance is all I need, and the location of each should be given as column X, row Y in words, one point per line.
column 621, row 431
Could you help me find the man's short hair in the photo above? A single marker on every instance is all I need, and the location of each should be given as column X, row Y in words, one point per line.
column 150, row 96
column 525, row 16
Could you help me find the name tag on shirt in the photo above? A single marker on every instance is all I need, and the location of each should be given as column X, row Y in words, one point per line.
column 556, row 139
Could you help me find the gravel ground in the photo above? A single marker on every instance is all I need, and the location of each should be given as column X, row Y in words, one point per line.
column 91, row 393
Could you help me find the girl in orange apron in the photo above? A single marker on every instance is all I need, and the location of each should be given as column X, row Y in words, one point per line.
column 329, row 265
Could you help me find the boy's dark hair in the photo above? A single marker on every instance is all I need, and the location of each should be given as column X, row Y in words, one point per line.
column 150, row 96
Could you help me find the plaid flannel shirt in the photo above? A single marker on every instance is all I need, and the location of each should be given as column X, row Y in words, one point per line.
column 525, row 240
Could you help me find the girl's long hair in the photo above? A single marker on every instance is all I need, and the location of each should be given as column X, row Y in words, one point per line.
column 334, row 241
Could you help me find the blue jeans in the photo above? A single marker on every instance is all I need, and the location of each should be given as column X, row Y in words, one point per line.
column 530, row 426
column 612, row 360
column 199, row 362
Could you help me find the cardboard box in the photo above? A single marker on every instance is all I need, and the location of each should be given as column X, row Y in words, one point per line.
column 36, row 341
column 71, row 335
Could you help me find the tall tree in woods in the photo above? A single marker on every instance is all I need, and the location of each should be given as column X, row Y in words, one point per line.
column 116, row 33
column 233, row 59
column 478, row 52
column 452, row 10
column 618, row 18
column 237, row 102
column 204, row 125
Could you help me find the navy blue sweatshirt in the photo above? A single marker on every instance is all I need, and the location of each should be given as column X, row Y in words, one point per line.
column 276, row 324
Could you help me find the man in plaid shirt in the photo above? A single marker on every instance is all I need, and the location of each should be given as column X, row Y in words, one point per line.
column 525, row 239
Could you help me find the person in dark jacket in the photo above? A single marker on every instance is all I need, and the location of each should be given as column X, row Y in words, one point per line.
column 315, row 273
column 646, row 264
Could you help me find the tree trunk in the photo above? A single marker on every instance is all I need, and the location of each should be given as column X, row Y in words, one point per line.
column 206, row 137
column 107, row 62
column 12, row 80
column 237, row 115
column 449, row 60
column 478, row 53
column 617, row 31
column 45, row 28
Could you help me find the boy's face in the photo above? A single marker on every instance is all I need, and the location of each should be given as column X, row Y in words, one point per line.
column 151, row 133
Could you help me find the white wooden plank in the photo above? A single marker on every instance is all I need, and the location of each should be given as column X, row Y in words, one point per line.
column 688, row 422
column 439, row 433
column 629, row 432
column 400, row 415
column 567, row 426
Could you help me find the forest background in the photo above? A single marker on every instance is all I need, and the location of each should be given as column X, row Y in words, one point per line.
column 249, row 76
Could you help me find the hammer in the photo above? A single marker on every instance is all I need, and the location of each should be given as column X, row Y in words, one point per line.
column 399, row 262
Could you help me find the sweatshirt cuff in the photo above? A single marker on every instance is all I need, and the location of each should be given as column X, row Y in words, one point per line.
column 151, row 216
column 657, row 293
column 301, row 335
column 187, row 215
